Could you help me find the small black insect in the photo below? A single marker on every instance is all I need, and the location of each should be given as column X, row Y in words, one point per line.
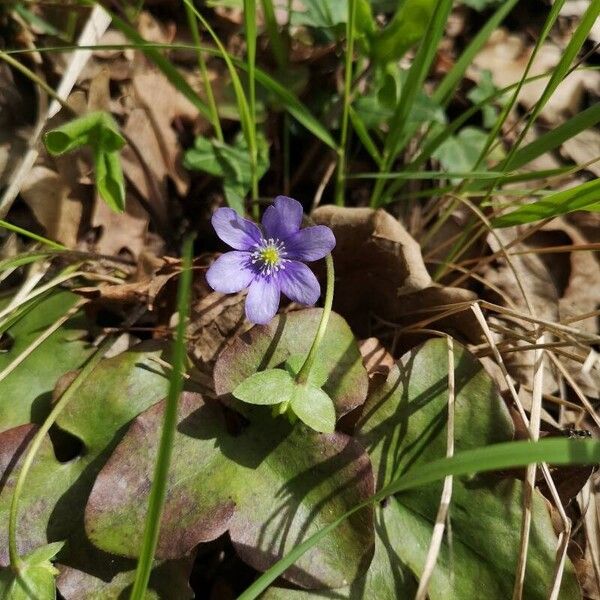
column 572, row 432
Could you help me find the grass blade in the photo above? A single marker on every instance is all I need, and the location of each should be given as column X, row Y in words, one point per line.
column 414, row 82
column 250, row 26
column 560, row 71
column 296, row 108
column 341, row 166
column 364, row 136
column 246, row 119
column 277, row 44
column 556, row 137
column 445, row 90
column 507, row 455
column 164, row 64
column 581, row 197
column 212, row 107
column 158, row 491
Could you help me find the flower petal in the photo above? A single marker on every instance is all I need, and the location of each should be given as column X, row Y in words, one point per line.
column 283, row 218
column 311, row 243
column 230, row 273
column 239, row 233
column 299, row 283
column 263, row 300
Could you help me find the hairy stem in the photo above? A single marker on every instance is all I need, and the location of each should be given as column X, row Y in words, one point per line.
column 304, row 372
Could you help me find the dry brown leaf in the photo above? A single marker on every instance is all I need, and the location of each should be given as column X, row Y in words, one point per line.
column 120, row 232
column 53, row 204
column 144, row 290
column 143, row 162
column 506, row 56
column 163, row 104
column 215, row 319
column 584, row 147
column 380, row 272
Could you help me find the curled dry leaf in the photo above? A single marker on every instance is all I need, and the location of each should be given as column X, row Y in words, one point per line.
column 380, row 273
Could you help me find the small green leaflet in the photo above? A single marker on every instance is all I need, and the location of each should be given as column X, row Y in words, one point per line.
column 99, row 131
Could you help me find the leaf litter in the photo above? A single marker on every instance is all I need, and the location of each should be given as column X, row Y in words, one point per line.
column 247, row 487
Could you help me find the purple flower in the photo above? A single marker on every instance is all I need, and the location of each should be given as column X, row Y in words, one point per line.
column 267, row 260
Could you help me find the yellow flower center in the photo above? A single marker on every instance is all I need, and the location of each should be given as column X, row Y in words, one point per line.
column 269, row 255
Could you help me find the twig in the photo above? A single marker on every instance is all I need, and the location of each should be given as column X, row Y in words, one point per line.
column 440, row 520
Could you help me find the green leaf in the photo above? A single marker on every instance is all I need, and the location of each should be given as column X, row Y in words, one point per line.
column 378, row 106
column 459, row 153
column 581, row 197
column 270, row 487
column 99, row 131
column 314, row 407
column 484, row 89
column 27, row 389
column 231, row 162
column 507, row 455
column 266, row 387
column 388, row 578
column 51, row 508
column 110, row 182
column 404, row 429
column 407, row 27
column 36, row 577
column 338, row 368
column 96, row 129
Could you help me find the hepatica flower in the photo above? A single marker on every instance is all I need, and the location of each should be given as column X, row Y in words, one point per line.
column 269, row 260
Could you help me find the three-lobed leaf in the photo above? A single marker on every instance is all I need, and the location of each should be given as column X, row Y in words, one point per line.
column 99, row 131
column 35, row 578
column 270, row 487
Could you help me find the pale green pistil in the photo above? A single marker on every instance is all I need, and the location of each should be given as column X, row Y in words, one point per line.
column 268, row 256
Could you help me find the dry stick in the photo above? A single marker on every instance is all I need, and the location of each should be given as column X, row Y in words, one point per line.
column 528, row 489
column 476, row 277
column 587, row 501
column 563, row 538
column 323, row 184
column 40, row 340
column 592, row 338
column 440, row 520
column 40, row 290
column 95, row 27
column 565, row 373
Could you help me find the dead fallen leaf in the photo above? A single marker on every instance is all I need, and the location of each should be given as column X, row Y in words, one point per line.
column 583, row 148
column 380, row 273
column 123, row 232
column 162, row 104
column 506, row 56
column 137, row 292
column 53, row 204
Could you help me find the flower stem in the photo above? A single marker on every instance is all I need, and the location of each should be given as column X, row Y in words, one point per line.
column 304, row 372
